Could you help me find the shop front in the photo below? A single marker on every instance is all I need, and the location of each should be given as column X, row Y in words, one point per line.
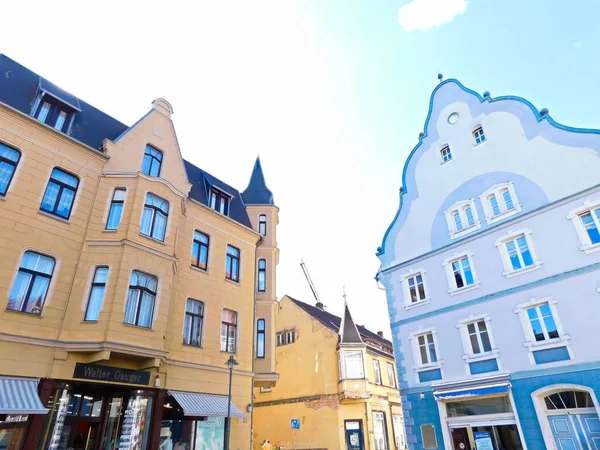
column 479, row 416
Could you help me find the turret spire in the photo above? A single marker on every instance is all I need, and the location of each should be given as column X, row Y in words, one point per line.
column 257, row 192
column 348, row 332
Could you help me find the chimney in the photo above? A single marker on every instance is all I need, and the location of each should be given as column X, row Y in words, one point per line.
column 320, row 306
column 380, row 334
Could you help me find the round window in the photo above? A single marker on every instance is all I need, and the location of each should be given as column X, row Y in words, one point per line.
column 453, row 118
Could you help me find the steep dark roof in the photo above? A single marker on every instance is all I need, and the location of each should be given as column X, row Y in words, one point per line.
column 257, row 192
column 349, row 334
column 19, row 88
column 332, row 321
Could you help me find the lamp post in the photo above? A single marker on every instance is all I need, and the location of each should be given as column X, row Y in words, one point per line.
column 231, row 363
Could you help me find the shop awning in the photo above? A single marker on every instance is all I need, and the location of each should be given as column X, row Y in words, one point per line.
column 470, row 391
column 20, row 396
column 204, row 404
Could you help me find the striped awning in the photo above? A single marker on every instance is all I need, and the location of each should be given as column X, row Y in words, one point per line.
column 20, row 396
column 205, row 405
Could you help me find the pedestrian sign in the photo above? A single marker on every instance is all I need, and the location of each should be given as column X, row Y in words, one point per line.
column 295, row 424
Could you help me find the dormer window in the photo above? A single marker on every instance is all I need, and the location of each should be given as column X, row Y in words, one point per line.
column 462, row 218
column 219, row 201
column 478, row 135
column 53, row 112
column 445, row 154
column 500, row 201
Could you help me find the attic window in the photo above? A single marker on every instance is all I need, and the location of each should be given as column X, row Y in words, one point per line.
column 219, row 201
column 53, row 112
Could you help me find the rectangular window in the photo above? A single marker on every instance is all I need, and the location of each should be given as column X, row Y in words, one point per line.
column 31, row 284
column 427, row 349
column 154, row 217
column 152, row 161
column 60, row 121
column 228, row 331
column 279, row 338
column 262, row 224
column 354, row 364
column 508, row 202
column 139, row 309
column 428, row 436
column 94, row 305
column 379, row 431
column 262, row 275
column 542, row 322
column 518, row 253
column 391, row 375
column 219, row 201
column 192, row 327
column 377, row 371
column 461, row 270
column 260, row 338
column 399, row 433
column 469, row 214
column 200, row 250
column 116, row 209
column 232, row 263
column 479, row 337
column 9, row 158
column 290, row 337
column 478, row 135
column 446, row 154
column 43, row 112
column 590, row 220
column 416, row 288
column 457, row 221
column 60, row 194
column 494, row 205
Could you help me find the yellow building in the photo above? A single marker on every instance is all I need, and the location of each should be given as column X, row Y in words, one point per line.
column 130, row 277
column 337, row 384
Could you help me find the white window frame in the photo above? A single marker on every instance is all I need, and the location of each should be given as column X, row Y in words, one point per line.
column 413, row 273
column 377, row 372
column 447, row 264
column 461, row 207
column 440, row 154
column 418, row 366
column 573, row 215
column 469, row 356
column 497, row 190
column 501, row 242
column 342, row 364
column 475, row 130
column 399, row 431
column 563, row 339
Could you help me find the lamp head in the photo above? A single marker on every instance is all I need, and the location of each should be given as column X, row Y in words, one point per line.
column 231, row 362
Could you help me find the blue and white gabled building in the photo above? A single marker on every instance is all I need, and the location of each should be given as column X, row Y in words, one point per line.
column 492, row 272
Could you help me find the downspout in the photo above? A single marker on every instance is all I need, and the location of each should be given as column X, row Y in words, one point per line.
column 260, row 240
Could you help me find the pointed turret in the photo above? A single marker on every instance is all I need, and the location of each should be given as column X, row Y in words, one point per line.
column 257, row 192
column 348, row 332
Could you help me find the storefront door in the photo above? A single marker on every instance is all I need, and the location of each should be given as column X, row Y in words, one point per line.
column 354, row 436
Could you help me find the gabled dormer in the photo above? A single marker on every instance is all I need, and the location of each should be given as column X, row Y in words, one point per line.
column 55, row 107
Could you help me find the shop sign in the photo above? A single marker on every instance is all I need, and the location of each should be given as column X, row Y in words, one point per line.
column 483, row 441
column 18, row 418
column 111, row 374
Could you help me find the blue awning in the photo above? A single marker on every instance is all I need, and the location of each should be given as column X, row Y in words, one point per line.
column 472, row 391
column 20, row 396
column 205, row 405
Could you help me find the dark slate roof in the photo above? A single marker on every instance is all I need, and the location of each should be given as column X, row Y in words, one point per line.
column 333, row 322
column 257, row 192
column 350, row 334
column 19, row 88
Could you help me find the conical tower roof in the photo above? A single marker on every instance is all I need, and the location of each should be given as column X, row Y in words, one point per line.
column 257, row 192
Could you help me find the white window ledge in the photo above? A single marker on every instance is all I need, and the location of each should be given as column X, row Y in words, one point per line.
column 536, row 265
column 516, row 210
column 430, row 366
column 425, row 301
column 454, row 235
column 590, row 248
column 468, row 288
column 482, row 356
column 561, row 341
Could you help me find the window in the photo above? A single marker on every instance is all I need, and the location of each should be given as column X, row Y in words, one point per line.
column 428, row 436
column 192, row 327
column 376, row 371
column 260, row 338
column 416, row 288
column 60, row 194
column 279, row 339
column 139, row 309
column 517, row 253
column 590, row 220
column 500, row 201
column 586, row 219
column 391, row 375
column 60, row 121
column 262, row 224
column 290, row 337
column 462, row 218
column 478, row 135
column 31, row 284
column 228, row 330
column 152, row 161
column 262, row 275
column 154, row 217
column 43, row 112
column 53, row 113
column 461, row 273
column 96, row 294
column 219, row 201
column 427, row 352
column 379, row 431
column 9, row 158
column 354, row 364
column 200, row 250
column 542, row 322
column 232, row 264
column 479, row 406
column 445, row 154
column 116, row 209
column 569, row 400
column 399, row 433
column 478, row 337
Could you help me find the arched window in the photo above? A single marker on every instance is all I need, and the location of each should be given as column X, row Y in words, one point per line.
column 260, row 338
column 262, row 275
column 262, row 224
column 569, row 400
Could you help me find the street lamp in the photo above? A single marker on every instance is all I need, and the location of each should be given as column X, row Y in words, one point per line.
column 231, row 363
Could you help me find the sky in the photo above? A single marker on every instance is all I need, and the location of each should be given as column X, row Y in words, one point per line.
column 331, row 94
